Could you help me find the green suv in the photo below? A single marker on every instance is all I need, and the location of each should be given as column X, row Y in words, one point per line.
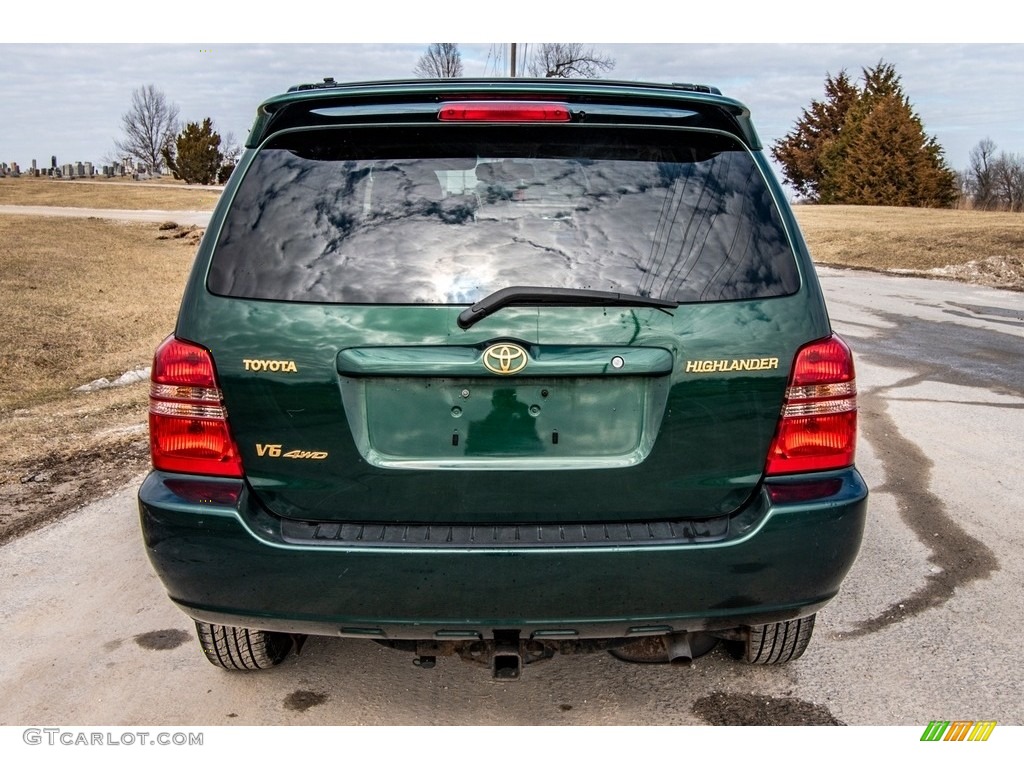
column 503, row 369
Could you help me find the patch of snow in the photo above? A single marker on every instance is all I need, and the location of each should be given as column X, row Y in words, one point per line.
column 993, row 271
column 129, row 377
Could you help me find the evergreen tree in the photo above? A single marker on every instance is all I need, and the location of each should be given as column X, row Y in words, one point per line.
column 801, row 152
column 878, row 155
column 196, row 158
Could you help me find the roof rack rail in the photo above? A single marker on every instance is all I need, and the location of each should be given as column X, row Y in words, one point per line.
column 329, row 82
column 697, row 88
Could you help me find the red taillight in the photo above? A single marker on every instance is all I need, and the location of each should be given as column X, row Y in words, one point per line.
column 818, row 428
column 188, row 426
column 504, row 112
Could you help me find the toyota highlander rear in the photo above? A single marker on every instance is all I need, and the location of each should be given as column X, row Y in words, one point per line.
column 503, row 369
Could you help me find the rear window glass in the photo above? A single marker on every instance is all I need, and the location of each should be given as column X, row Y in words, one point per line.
column 450, row 214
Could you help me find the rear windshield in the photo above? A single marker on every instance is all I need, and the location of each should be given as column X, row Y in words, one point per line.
column 450, row 214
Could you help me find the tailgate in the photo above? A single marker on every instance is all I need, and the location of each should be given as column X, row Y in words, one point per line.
column 672, row 419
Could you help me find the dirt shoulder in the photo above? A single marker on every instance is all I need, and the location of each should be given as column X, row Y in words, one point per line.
column 67, row 454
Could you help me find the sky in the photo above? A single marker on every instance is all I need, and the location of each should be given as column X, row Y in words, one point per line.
column 66, row 80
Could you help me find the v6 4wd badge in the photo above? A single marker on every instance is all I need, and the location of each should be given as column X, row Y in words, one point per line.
column 276, row 451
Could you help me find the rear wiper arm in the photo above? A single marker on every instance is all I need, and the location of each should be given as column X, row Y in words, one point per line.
column 561, row 297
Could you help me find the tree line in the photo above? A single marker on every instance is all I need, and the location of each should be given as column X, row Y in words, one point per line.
column 993, row 182
column 443, row 60
column 864, row 144
column 153, row 136
column 195, row 152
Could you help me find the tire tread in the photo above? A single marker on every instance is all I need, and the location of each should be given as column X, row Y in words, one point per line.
column 778, row 643
column 238, row 648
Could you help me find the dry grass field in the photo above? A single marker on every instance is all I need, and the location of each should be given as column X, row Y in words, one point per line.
column 974, row 246
column 104, row 193
column 82, row 299
column 85, row 298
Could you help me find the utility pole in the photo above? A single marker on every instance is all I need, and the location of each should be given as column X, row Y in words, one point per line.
column 512, row 58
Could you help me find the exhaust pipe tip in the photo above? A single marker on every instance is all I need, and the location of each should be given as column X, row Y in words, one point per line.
column 680, row 654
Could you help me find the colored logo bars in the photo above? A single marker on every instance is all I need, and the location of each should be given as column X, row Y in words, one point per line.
column 958, row 730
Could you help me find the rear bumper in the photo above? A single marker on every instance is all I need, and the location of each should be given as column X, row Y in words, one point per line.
column 229, row 564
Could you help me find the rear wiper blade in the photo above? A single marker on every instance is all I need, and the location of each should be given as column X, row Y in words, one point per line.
column 561, row 297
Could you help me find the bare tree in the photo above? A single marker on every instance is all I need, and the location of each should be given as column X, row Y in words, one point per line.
column 982, row 175
column 231, row 152
column 568, row 60
column 995, row 182
column 149, row 127
column 1009, row 181
column 440, row 60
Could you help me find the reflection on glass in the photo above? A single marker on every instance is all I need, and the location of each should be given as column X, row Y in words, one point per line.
column 450, row 230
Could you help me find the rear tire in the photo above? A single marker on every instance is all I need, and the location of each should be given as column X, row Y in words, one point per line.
column 237, row 648
column 777, row 643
